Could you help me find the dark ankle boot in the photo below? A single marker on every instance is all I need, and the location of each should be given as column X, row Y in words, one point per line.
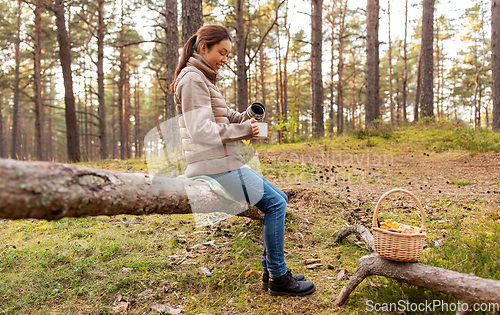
column 288, row 285
column 265, row 279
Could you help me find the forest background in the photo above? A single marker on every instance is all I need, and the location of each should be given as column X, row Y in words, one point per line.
column 121, row 55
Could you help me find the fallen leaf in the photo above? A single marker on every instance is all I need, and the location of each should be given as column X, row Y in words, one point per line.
column 311, row 261
column 312, row 266
column 126, row 269
column 146, row 292
column 162, row 308
column 122, row 307
column 205, row 271
column 248, row 273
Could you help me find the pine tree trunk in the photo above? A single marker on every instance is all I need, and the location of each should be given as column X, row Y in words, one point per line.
column 137, row 120
column 128, row 104
column 318, row 128
column 285, row 73
column 331, row 84
column 192, row 18
column 241, row 68
column 171, row 53
column 113, row 123
column 391, row 102
column 73, row 142
column 427, row 59
column 416, row 103
column 372, row 110
column 340, row 71
column 405, row 78
column 51, row 191
column 262, row 66
column 121, row 90
column 495, row 62
column 15, row 149
column 37, row 83
column 2, row 144
column 103, row 136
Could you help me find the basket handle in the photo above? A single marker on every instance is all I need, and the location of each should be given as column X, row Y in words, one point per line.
column 395, row 190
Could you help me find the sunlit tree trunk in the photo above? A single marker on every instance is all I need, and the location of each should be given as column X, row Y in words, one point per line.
column 416, row 103
column 495, row 61
column 192, row 18
column 103, row 137
column 318, row 129
column 37, row 83
column 2, row 144
column 372, row 110
column 405, row 78
column 427, row 59
column 391, row 102
column 172, row 52
column 73, row 143
column 241, row 67
column 15, row 149
column 340, row 72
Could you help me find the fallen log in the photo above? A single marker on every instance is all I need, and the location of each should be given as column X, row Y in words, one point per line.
column 51, row 191
column 467, row 288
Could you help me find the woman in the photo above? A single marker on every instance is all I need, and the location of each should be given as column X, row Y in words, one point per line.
column 210, row 130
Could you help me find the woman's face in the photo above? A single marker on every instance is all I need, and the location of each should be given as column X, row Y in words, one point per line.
column 217, row 56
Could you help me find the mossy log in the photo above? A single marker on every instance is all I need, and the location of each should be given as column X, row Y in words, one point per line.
column 51, row 191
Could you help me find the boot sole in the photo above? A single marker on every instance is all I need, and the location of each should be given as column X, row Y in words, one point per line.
column 278, row 293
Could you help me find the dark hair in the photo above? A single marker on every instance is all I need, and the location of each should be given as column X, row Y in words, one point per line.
column 209, row 34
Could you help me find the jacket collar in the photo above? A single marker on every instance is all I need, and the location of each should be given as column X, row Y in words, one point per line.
column 201, row 64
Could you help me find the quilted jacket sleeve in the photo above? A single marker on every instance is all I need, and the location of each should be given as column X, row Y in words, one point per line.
column 194, row 97
column 234, row 116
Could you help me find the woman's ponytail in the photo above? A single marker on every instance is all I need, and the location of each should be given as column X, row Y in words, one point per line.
column 208, row 34
column 187, row 52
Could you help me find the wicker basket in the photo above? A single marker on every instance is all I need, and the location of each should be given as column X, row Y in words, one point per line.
column 404, row 247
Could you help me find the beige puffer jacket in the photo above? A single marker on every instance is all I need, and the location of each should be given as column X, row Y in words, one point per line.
column 208, row 128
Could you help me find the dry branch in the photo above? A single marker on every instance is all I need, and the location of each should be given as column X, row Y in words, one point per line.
column 45, row 190
column 466, row 288
column 363, row 232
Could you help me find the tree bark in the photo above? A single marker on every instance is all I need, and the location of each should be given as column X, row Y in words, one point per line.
column 15, row 144
column 465, row 287
column 73, row 142
column 332, row 58
column 241, row 67
column 372, row 110
column 137, row 116
column 340, row 71
column 416, row 102
column 51, row 191
column 361, row 230
column 103, row 137
column 391, row 102
column 3, row 151
column 495, row 62
column 427, row 59
column 318, row 128
column 121, row 89
column 405, row 77
column 192, row 18
column 172, row 53
column 37, row 82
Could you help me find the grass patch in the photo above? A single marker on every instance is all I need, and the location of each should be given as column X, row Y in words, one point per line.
column 460, row 182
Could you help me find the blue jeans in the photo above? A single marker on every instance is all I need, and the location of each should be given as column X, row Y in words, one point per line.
column 246, row 184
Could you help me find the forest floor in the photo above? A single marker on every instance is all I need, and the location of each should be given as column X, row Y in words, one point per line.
column 153, row 264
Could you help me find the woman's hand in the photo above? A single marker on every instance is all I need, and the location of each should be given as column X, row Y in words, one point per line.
column 254, row 127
